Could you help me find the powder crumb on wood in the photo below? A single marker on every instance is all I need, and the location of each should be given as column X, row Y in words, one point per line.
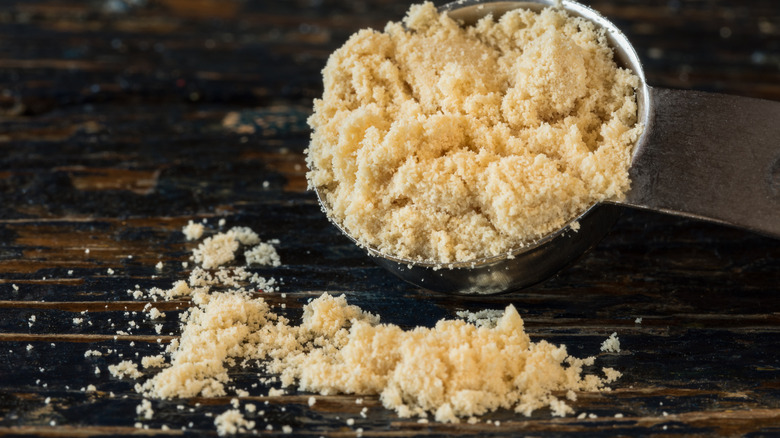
column 338, row 348
column 262, row 254
column 145, row 409
column 611, row 344
column 193, row 231
column 125, row 368
column 232, row 422
column 154, row 313
column 401, row 366
column 153, row 361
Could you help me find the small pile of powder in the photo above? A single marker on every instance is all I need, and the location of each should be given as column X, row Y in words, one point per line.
column 232, row 422
column 338, row 348
column 611, row 344
column 444, row 143
column 221, row 248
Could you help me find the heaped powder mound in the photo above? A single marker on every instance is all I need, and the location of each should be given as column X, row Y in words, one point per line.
column 437, row 142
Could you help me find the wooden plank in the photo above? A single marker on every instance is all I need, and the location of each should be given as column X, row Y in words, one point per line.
column 121, row 121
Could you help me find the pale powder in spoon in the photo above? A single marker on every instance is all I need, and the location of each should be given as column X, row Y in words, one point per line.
column 442, row 143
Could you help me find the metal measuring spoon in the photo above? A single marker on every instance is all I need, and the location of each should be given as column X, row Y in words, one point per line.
column 702, row 155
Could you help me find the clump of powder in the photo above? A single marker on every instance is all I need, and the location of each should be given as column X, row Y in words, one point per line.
column 442, row 143
column 338, row 348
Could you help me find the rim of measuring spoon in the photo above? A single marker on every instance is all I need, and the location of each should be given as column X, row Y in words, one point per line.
column 625, row 56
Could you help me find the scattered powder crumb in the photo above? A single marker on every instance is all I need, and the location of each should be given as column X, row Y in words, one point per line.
column 612, row 344
column 16, row 288
column 582, row 416
column 638, row 321
column 47, row 400
column 78, row 321
column 153, row 361
column 273, row 392
column 262, row 254
column 486, row 317
column 89, row 353
column 154, row 313
column 618, row 415
column 86, row 251
column 29, row 347
column 193, row 231
column 402, row 367
column 232, row 422
column 70, row 271
column 244, row 235
column 442, row 143
column 145, row 409
column 611, row 374
column 350, row 422
column 124, row 369
column 249, row 407
column 339, row 348
column 216, row 250
column 159, row 266
column 287, row 429
column 97, row 370
column 90, row 388
column 110, row 271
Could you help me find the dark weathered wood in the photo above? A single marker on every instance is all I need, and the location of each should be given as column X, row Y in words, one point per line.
column 122, row 120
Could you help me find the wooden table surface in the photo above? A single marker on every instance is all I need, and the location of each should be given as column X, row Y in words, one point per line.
column 121, row 120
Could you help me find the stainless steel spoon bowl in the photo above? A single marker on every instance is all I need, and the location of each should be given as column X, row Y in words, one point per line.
column 702, row 155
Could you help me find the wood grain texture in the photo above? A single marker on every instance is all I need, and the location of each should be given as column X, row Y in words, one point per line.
column 122, row 120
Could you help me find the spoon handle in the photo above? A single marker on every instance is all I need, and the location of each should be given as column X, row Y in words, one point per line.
column 710, row 156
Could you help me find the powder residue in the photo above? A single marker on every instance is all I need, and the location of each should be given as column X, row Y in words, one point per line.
column 232, row 422
column 611, row 344
column 339, row 348
column 193, row 231
column 263, row 253
column 442, row 143
column 124, row 369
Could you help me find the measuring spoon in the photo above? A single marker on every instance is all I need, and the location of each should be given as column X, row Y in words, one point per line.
column 702, row 155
